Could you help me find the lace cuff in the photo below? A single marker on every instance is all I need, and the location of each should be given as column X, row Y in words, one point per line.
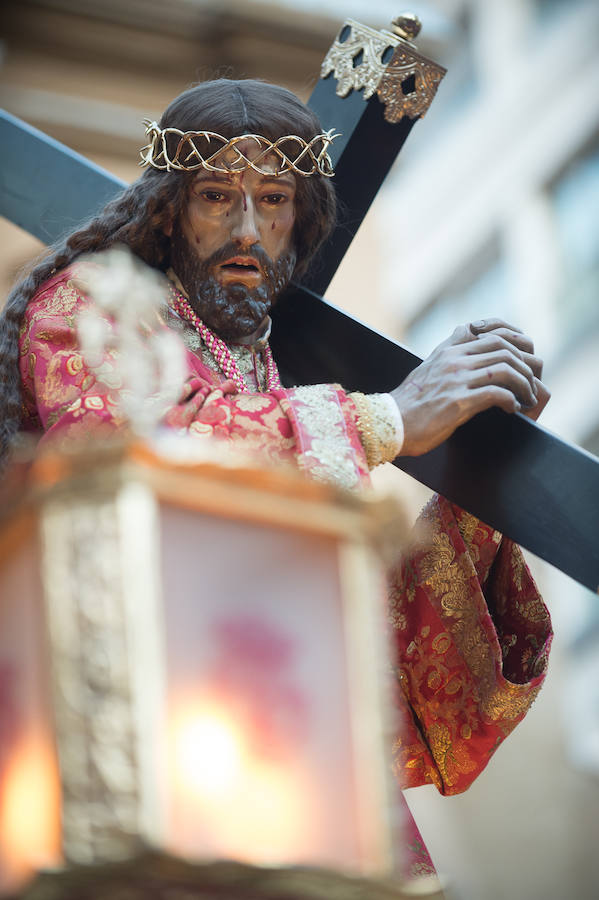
column 380, row 426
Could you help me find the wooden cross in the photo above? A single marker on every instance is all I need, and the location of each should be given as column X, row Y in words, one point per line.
column 505, row 469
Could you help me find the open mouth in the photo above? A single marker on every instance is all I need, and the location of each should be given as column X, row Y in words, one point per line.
column 241, row 265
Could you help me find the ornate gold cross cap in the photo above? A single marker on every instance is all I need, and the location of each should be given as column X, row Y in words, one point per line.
column 386, row 63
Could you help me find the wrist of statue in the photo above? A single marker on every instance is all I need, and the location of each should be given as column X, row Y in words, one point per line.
column 380, row 426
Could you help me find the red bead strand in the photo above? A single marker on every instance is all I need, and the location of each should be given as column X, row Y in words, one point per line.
column 221, row 352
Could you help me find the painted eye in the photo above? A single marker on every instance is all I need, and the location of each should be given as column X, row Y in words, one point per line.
column 213, row 196
column 275, row 199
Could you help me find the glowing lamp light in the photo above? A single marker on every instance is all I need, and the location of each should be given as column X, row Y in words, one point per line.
column 29, row 813
column 207, row 754
column 255, row 810
column 273, row 817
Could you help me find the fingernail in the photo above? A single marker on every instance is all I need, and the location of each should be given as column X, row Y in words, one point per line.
column 476, row 326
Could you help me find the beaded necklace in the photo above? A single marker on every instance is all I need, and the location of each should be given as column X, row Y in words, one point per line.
column 221, row 352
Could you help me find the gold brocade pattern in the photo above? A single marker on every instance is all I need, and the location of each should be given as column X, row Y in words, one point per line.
column 329, row 456
column 448, row 578
column 474, row 533
column 471, row 663
column 468, row 524
column 64, row 299
column 62, row 398
column 518, row 571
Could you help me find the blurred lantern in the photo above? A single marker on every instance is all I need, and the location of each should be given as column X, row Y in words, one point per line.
column 201, row 642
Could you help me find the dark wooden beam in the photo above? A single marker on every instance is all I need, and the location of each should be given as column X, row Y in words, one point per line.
column 46, row 188
column 505, row 469
column 362, row 157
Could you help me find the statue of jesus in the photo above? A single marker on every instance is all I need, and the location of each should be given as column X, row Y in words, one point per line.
column 236, row 197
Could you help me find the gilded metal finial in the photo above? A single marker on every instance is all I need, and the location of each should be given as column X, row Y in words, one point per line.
column 385, row 63
column 406, row 26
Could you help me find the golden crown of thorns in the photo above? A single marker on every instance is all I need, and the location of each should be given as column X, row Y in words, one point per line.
column 294, row 153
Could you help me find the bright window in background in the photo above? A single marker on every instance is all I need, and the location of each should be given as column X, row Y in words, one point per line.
column 575, row 199
column 481, row 292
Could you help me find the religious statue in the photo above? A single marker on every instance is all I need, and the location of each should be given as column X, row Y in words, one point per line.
column 236, row 197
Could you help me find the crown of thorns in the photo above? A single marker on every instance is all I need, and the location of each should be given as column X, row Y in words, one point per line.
column 294, row 153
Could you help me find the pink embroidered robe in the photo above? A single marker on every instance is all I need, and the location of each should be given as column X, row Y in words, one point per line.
column 471, row 631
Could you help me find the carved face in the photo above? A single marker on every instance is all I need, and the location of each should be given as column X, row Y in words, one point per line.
column 232, row 247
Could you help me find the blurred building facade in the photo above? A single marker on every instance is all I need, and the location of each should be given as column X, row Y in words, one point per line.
column 493, row 208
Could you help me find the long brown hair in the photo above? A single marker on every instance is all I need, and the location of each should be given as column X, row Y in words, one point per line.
column 140, row 217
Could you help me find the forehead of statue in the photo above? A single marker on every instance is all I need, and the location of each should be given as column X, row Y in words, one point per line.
column 241, row 153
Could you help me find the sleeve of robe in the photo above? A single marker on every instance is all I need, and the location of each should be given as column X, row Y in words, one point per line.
column 314, row 427
column 471, row 636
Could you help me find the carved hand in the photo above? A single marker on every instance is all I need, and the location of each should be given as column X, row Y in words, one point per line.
column 484, row 364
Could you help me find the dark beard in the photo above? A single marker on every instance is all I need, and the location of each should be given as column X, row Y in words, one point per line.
column 233, row 311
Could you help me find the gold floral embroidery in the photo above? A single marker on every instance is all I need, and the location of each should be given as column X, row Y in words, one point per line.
column 517, row 562
column 397, row 616
column 450, row 756
column 53, row 388
column 64, row 300
column 94, row 402
column 330, row 456
column 533, row 610
column 441, row 643
column 434, row 680
column 58, row 413
column 460, row 704
column 198, row 429
column 409, row 763
column 74, row 364
column 252, row 402
column 467, row 523
column 448, row 578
